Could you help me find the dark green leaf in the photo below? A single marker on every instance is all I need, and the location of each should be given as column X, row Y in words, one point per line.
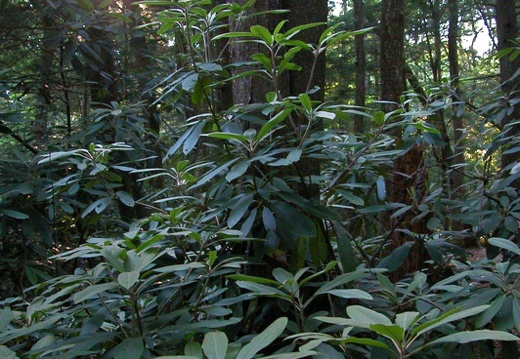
column 240, row 209
column 14, row 214
column 504, row 244
column 92, row 291
column 395, row 259
column 238, row 170
column 130, row 348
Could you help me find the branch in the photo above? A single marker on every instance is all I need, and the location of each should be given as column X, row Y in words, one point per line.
column 6, row 130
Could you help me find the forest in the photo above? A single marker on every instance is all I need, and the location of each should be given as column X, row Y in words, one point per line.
column 239, row 179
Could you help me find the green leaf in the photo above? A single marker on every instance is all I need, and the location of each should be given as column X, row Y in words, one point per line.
column 271, row 96
column 367, row 316
column 264, row 60
column 379, row 118
column 240, row 209
column 228, row 136
column 193, row 138
column 293, row 156
column 189, row 82
column 112, row 259
column 406, row 319
column 367, row 341
column 516, row 312
column 248, row 278
column 426, row 128
column 381, row 188
column 262, row 33
column 179, row 267
column 14, row 214
column 193, row 349
column 486, row 316
column 261, row 289
column 350, row 294
column 477, row 335
column 92, row 291
column 128, row 279
column 263, row 339
column 393, row 332
column 269, row 125
column 210, row 67
column 325, row 114
column 340, row 280
column 98, row 206
column 43, row 343
column 238, row 170
column 448, row 317
column 303, row 354
column 215, row 345
column 130, row 348
column 6, row 353
column 126, row 198
column 386, row 284
column 305, row 101
column 6, row 315
column 293, row 220
column 395, row 259
column 504, row 244
column 346, row 252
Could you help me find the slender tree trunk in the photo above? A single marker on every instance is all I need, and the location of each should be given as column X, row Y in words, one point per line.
column 435, row 21
column 507, row 31
column 457, row 160
column 361, row 66
column 40, row 125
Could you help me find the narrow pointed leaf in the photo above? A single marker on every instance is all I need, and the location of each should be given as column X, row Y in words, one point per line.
column 477, row 335
column 263, row 339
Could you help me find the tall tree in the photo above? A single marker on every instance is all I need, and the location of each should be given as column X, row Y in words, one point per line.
column 409, row 175
column 507, row 32
column 392, row 51
column 457, row 161
column 361, row 67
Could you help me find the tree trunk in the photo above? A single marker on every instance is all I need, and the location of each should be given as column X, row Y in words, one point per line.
column 311, row 75
column 457, row 160
column 391, row 35
column 409, row 174
column 361, row 66
column 507, row 31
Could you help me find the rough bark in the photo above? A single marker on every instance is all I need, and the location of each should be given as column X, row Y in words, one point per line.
column 507, row 31
column 391, row 35
column 408, row 183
